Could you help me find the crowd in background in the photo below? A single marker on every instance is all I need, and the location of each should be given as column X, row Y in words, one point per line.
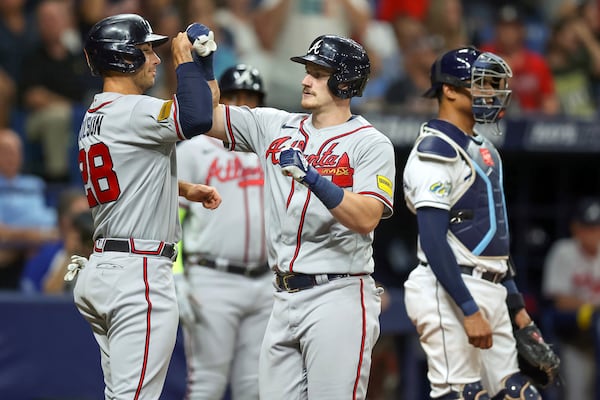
column 552, row 46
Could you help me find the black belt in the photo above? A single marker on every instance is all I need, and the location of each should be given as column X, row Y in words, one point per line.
column 296, row 282
column 234, row 268
column 493, row 277
column 124, row 245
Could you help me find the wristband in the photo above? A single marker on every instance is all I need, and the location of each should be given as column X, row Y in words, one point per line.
column 469, row 307
column 205, row 65
column 330, row 194
column 515, row 302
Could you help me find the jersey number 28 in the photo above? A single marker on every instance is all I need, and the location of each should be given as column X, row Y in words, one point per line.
column 97, row 172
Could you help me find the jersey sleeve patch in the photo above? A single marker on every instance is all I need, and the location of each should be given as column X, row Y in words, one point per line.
column 435, row 148
column 385, row 184
column 441, row 189
column 165, row 110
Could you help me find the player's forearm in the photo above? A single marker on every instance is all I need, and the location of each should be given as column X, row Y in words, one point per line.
column 433, row 228
column 358, row 213
column 216, row 93
column 184, row 188
column 218, row 125
column 195, row 100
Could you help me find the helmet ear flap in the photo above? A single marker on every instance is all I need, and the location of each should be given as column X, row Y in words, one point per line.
column 345, row 89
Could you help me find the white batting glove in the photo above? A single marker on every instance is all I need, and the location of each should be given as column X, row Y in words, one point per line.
column 188, row 305
column 77, row 263
column 202, row 38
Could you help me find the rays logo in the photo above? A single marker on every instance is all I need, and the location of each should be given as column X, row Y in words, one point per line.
column 314, row 49
column 441, row 189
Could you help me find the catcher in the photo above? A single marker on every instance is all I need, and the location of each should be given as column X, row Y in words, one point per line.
column 462, row 297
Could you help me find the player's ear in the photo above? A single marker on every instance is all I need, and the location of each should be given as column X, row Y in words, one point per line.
column 451, row 92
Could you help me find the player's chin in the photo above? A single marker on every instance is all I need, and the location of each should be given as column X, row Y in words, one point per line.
column 307, row 102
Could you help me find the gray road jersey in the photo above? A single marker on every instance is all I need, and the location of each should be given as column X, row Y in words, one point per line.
column 128, row 162
column 235, row 231
column 302, row 235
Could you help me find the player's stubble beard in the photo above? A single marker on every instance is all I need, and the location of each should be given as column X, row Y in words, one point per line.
column 144, row 79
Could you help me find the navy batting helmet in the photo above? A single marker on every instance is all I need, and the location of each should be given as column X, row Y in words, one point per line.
column 242, row 77
column 452, row 68
column 348, row 60
column 484, row 74
column 111, row 43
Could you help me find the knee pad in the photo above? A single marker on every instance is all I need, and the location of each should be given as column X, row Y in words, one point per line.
column 471, row 391
column 518, row 387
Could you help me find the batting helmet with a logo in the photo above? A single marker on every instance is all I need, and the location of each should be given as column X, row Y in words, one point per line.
column 346, row 58
column 111, row 44
column 242, row 77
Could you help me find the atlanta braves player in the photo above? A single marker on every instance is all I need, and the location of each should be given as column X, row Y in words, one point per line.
column 128, row 165
column 230, row 286
column 319, row 225
column 457, row 296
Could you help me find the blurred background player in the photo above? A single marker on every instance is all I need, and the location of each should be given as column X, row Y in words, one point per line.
column 572, row 282
column 225, row 293
column 453, row 183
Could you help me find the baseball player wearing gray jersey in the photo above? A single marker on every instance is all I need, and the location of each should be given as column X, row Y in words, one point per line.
column 225, row 290
column 457, row 295
column 128, row 165
column 319, row 225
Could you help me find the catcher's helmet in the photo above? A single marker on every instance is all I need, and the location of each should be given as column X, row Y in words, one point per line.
column 242, row 77
column 111, row 43
column 348, row 60
column 484, row 73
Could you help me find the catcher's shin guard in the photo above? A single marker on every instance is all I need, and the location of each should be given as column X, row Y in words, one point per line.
column 518, row 387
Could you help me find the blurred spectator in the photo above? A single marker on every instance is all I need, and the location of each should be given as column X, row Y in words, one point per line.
column 401, row 14
column 574, row 58
column 71, row 202
column 446, row 24
column 78, row 240
column 18, row 34
column 169, row 23
column 532, row 83
column 204, row 11
column 55, row 82
column 589, row 10
column 91, row 11
column 405, row 95
column 26, row 222
column 287, row 27
column 238, row 17
column 572, row 281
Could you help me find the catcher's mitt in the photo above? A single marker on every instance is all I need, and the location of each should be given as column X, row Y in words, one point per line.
column 536, row 358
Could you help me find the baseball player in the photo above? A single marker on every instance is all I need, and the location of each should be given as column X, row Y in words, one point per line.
column 225, row 293
column 128, row 165
column 329, row 179
column 457, row 295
